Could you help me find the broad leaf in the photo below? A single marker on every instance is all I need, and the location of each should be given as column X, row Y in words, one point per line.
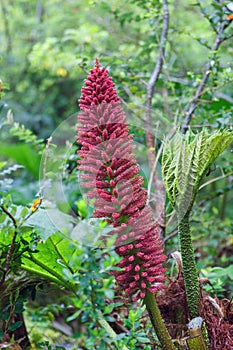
column 51, row 259
column 24, row 155
column 48, row 221
column 186, row 159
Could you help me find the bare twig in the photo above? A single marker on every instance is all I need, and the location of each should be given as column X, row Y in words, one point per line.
column 160, row 150
column 153, row 171
column 201, row 126
column 159, row 189
column 174, row 233
column 216, row 179
column 152, row 81
column 219, row 39
column 223, row 96
column 48, row 143
column 9, row 215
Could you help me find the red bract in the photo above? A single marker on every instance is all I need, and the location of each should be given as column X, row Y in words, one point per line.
column 110, row 173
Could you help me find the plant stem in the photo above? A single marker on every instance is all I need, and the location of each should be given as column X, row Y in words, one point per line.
column 158, row 322
column 219, row 39
column 103, row 323
column 11, row 249
column 190, row 274
column 196, row 343
column 189, row 267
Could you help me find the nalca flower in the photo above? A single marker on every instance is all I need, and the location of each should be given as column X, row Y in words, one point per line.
column 98, row 88
column 110, row 173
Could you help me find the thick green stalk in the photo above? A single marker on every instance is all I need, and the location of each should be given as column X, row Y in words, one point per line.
column 189, row 266
column 190, row 274
column 158, row 322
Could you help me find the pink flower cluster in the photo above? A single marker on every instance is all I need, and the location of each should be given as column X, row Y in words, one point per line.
column 110, row 173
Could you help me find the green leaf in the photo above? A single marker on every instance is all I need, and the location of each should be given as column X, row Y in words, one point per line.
column 5, row 315
column 24, row 212
column 82, row 207
column 229, row 271
column 49, row 221
column 186, row 159
column 143, row 340
column 74, row 316
column 24, row 155
column 15, row 326
column 50, row 259
column 2, row 164
column 109, row 293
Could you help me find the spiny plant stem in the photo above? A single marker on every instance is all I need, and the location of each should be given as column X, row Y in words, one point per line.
column 189, row 266
column 158, row 322
column 191, row 282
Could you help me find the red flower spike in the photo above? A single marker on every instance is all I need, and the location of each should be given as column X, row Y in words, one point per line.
column 99, row 88
column 110, row 173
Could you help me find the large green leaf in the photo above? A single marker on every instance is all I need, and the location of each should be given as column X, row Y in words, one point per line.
column 49, row 220
column 186, row 159
column 54, row 254
column 23, row 154
column 51, row 259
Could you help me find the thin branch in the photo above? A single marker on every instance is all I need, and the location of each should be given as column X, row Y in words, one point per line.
column 159, row 189
column 223, row 96
column 171, row 217
column 216, row 179
column 11, row 249
column 193, row 104
column 153, row 172
column 171, row 235
column 159, row 64
column 153, row 79
column 214, row 88
column 229, row 37
column 201, row 126
column 9, row 215
column 170, row 135
column 46, row 156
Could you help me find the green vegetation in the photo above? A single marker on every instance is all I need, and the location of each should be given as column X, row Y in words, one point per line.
column 172, row 69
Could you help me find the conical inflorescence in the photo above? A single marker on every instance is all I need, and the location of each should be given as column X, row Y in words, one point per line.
column 110, row 173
